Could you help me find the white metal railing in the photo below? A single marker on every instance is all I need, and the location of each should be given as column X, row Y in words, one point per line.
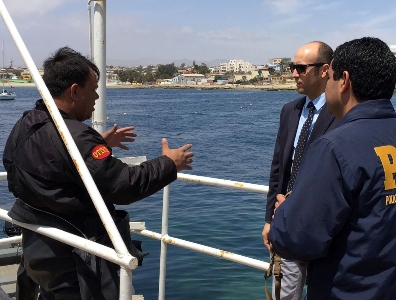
column 127, row 261
column 139, row 228
column 104, row 214
column 120, row 255
column 166, row 239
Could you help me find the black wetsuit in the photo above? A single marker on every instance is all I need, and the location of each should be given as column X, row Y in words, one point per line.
column 49, row 191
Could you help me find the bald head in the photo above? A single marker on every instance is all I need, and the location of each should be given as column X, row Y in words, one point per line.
column 314, row 52
column 312, row 62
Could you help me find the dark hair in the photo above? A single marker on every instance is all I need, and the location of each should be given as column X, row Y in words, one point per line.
column 66, row 67
column 325, row 53
column 371, row 66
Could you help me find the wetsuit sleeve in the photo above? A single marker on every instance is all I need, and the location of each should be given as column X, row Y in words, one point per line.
column 317, row 209
column 137, row 182
column 117, row 182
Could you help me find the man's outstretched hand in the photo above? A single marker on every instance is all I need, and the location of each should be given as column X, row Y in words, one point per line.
column 180, row 156
column 114, row 137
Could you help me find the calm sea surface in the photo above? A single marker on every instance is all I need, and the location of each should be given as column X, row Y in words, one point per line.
column 233, row 134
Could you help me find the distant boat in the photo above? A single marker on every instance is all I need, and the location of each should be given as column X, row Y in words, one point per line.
column 272, row 89
column 6, row 95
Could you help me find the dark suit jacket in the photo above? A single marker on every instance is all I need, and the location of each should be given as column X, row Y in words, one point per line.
column 282, row 158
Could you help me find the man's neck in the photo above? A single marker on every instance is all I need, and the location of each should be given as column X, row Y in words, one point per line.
column 65, row 107
column 314, row 96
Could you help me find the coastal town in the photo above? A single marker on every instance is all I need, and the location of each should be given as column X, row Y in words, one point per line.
column 234, row 74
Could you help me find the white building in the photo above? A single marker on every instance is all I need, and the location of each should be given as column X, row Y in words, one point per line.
column 215, row 70
column 188, row 79
column 237, row 66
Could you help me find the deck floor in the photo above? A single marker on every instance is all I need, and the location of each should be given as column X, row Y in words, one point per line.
column 8, row 281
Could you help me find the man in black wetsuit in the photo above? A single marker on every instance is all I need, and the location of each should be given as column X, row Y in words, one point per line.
column 49, row 190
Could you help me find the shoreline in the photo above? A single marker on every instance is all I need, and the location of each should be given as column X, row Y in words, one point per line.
column 275, row 87
column 280, row 87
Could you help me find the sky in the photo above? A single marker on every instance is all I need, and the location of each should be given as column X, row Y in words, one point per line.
column 142, row 32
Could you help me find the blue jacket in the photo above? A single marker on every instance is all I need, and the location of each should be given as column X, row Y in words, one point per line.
column 283, row 151
column 341, row 215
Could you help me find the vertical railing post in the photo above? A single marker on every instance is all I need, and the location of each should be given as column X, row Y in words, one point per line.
column 126, row 288
column 164, row 248
column 99, row 57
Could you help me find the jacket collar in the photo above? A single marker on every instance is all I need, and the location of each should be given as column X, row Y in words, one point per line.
column 40, row 105
column 370, row 109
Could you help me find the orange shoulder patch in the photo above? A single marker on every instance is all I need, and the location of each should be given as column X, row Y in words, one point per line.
column 100, row 152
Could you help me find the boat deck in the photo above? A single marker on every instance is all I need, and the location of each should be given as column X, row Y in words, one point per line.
column 9, row 262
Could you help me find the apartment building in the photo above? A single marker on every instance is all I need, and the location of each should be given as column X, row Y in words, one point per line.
column 236, row 66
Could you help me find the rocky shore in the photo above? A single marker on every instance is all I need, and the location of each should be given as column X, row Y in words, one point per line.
column 291, row 87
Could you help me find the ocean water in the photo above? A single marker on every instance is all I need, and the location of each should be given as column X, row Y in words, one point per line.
column 233, row 135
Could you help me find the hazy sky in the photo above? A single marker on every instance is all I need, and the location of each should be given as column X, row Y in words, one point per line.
column 159, row 31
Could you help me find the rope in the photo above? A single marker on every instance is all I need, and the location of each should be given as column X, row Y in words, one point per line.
column 274, row 268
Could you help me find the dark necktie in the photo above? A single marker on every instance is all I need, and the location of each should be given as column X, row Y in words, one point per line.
column 302, row 141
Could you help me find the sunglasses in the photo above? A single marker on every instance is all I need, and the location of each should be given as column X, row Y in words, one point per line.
column 302, row 69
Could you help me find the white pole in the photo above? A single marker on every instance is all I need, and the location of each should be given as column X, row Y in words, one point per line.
column 66, row 137
column 90, row 28
column 11, row 240
column 247, row 261
column 164, row 246
column 99, row 115
column 127, row 261
column 126, row 288
column 99, row 57
column 236, row 185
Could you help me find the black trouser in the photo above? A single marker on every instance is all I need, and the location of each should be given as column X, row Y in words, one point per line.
column 64, row 272
column 51, row 265
column 67, row 273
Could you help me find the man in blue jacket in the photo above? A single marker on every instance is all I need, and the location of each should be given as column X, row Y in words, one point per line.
column 341, row 216
column 309, row 70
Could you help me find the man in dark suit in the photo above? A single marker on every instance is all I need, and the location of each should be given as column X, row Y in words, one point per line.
column 310, row 67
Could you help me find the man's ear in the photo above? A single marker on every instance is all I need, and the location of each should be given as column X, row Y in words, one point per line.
column 74, row 92
column 345, row 82
column 325, row 71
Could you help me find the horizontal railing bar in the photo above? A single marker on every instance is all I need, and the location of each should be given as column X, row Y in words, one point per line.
column 137, row 225
column 237, row 185
column 247, row 261
column 126, row 261
column 11, row 240
column 7, row 283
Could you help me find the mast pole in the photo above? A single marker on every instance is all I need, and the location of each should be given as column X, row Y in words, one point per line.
column 99, row 57
column 2, row 77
